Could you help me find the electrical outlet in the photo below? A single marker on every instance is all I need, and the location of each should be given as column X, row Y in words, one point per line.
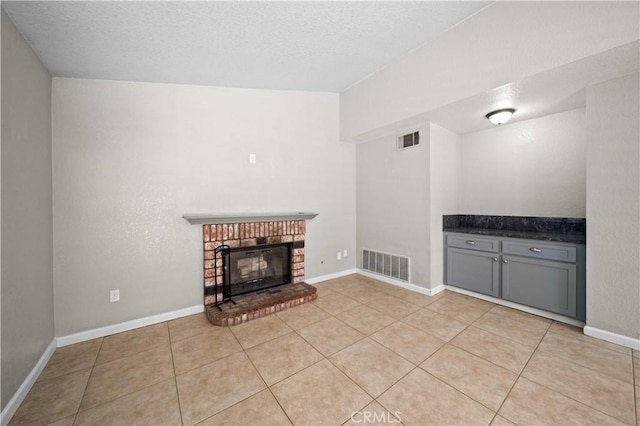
column 114, row 296
column 252, row 159
column 344, row 253
column 339, row 256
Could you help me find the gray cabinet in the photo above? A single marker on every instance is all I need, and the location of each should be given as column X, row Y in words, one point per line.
column 477, row 271
column 543, row 284
column 541, row 274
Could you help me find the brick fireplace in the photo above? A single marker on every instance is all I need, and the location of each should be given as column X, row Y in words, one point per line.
column 254, row 239
column 250, row 234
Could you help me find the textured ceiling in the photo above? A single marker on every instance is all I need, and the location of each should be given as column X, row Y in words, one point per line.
column 556, row 90
column 317, row 45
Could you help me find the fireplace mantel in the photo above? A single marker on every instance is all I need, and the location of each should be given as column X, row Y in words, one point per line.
column 221, row 218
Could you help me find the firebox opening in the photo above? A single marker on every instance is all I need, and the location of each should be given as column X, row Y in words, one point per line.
column 257, row 268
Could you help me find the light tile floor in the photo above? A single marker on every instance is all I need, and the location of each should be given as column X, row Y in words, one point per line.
column 364, row 352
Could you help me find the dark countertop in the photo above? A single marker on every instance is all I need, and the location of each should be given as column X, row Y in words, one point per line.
column 567, row 230
column 546, row 236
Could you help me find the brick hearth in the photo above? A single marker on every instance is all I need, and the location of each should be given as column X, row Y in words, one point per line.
column 254, row 234
column 255, row 305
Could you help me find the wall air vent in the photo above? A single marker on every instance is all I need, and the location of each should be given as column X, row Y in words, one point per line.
column 390, row 265
column 408, row 140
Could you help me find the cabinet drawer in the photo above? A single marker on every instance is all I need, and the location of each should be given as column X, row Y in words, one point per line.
column 472, row 243
column 540, row 250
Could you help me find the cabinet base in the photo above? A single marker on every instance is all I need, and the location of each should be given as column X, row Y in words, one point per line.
column 523, row 308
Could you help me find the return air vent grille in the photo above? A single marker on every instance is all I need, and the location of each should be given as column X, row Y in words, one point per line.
column 390, row 265
column 408, row 140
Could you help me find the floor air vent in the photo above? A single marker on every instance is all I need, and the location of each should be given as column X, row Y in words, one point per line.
column 391, row 265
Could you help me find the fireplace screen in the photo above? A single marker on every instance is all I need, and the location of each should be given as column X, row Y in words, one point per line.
column 250, row 269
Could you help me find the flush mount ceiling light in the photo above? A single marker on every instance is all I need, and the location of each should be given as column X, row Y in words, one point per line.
column 500, row 116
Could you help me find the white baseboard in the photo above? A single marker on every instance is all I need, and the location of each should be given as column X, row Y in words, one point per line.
column 316, row 280
column 438, row 289
column 608, row 336
column 17, row 398
column 403, row 284
column 523, row 308
column 83, row 336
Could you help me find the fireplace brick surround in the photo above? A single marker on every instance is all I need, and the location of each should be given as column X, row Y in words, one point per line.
column 249, row 234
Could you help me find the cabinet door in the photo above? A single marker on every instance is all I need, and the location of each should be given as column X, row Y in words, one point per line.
column 474, row 270
column 540, row 283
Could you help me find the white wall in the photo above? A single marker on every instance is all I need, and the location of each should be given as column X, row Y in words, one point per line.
column 393, row 201
column 27, row 242
column 444, row 147
column 503, row 43
column 613, row 206
column 132, row 158
column 528, row 168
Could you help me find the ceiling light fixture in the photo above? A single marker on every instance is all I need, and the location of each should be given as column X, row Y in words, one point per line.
column 500, row 116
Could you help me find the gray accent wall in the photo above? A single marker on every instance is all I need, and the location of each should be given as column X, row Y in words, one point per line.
column 402, row 195
column 132, row 158
column 27, row 235
column 393, row 201
column 527, row 168
column 613, row 206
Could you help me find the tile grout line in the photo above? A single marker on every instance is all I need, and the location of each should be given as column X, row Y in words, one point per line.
column 337, row 319
column 326, row 357
column 484, row 359
column 395, row 383
column 307, row 325
column 252, row 364
column 345, row 310
column 175, row 376
column 518, row 378
column 266, row 341
column 209, row 362
column 263, row 379
column 397, row 353
column 488, row 360
column 415, row 366
column 509, row 338
column 572, row 398
column 353, row 381
column 560, row 393
column 279, row 404
column 474, row 355
column 126, row 394
column 590, row 343
column 560, row 357
column 520, row 321
column 292, row 374
column 634, row 365
column 86, row 386
column 462, row 392
column 365, row 391
column 424, row 331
